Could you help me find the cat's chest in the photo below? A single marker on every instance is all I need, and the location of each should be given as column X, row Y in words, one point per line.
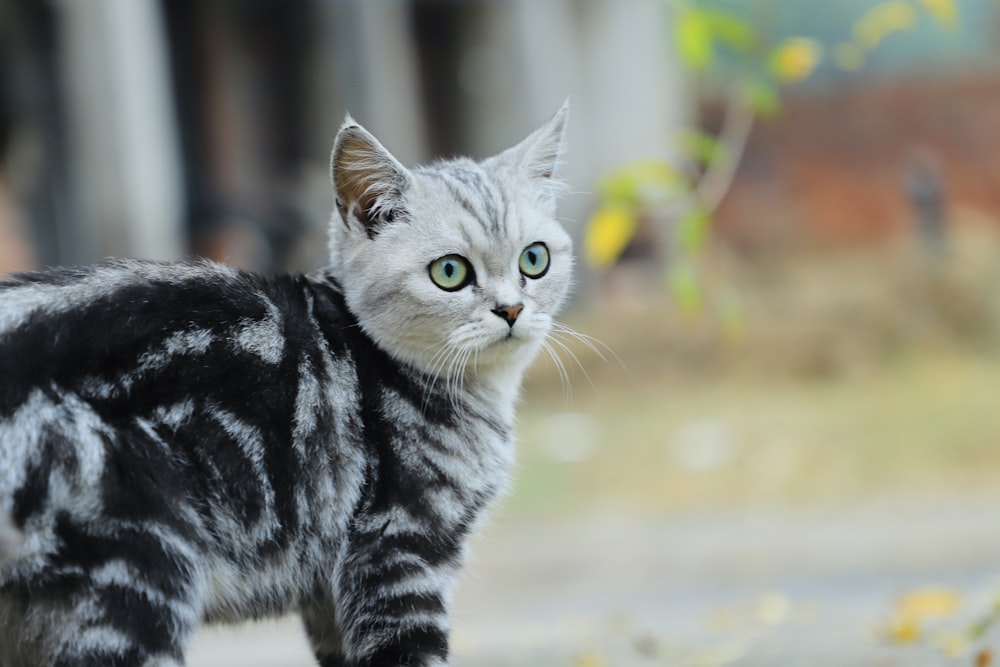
column 473, row 442
column 443, row 467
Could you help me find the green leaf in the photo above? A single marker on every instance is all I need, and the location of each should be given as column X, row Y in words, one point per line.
column 732, row 30
column 762, row 98
column 637, row 183
column 701, row 147
column 692, row 230
column 684, row 285
column 693, row 37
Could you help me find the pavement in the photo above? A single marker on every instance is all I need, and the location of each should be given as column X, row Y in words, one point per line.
column 773, row 587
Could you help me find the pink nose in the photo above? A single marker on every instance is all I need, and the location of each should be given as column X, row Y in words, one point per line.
column 509, row 313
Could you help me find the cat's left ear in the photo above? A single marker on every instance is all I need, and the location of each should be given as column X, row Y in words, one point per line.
column 538, row 156
column 368, row 181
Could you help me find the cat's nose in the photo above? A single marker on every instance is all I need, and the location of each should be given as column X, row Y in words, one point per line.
column 509, row 313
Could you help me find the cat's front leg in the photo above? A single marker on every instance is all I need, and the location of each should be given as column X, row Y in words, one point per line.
column 323, row 630
column 392, row 599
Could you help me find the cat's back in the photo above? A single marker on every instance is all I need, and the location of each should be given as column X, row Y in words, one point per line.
column 105, row 330
column 179, row 395
column 144, row 371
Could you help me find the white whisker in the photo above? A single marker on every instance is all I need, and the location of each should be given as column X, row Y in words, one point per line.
column 576, row 359
column 439, row 363
column 595, row 345
column 561, row 369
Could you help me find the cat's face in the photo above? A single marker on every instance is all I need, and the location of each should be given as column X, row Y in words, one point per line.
column 458, row 265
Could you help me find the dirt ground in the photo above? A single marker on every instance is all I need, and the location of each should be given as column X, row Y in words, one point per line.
column 768, row 586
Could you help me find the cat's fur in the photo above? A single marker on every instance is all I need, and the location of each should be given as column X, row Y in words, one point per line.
column 187, row 443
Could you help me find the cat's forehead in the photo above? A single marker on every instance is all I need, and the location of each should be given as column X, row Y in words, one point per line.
column 469, row 200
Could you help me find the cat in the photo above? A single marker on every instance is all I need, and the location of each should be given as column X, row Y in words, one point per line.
column 186, row 443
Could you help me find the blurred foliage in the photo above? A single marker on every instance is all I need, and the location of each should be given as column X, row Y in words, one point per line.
column 680, row 201
column 917, row 619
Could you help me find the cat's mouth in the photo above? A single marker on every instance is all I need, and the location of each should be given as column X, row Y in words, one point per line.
column 513, row 336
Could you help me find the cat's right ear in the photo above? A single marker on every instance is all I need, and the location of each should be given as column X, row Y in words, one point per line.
column 368, row 181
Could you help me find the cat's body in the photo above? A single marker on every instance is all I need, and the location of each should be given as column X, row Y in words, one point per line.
column 186, row 443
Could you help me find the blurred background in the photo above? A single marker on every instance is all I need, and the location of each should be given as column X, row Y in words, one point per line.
column 776, row 438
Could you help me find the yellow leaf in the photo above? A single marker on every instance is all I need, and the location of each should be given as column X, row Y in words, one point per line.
column 913, row 609
column 929, row 603
column 953, row 646
column 608, row 234
column 881, row 20
column 904, row 630
column 943, row 11
column 796, row 58
column 898, row 15
column 590, row 659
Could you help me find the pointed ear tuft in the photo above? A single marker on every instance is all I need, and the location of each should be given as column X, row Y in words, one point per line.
column 539, row 154
column 546, row 145
column 368, row 181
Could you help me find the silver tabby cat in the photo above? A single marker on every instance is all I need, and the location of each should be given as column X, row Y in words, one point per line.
column 187, row 443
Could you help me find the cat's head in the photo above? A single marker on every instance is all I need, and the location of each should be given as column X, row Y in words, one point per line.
column 454, row 265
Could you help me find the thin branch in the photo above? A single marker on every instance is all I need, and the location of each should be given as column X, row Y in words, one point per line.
column 718, row 176
column 733, row 137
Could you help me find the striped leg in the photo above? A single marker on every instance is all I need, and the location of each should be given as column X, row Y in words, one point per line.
column 393, row 601
column 118, row 599
column 113, row 625
column 320, row 620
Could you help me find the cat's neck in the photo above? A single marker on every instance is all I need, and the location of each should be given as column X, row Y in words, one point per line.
column 495, row 387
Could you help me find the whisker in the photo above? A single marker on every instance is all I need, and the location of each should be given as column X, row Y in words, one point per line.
column 576, row 359
column 596, row 345
column 438, row 365
column 561, row 369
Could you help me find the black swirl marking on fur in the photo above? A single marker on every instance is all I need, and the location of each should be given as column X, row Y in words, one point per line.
column 385, row 574
column 419, row 640
column 331, row 660
column 145, row 622
column 162, row 569
column 60, row 349
column 56, row 276
column 140, row 482
column 222, row 468
column 30, row 497
column 104, row 658
column 327, row 311
column 433, row 550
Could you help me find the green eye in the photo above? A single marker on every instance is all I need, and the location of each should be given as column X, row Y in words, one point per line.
column 534, row 260
column 451, row 272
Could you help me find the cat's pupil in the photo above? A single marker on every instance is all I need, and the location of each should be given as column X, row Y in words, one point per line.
column 449, row 269
column 532, row 257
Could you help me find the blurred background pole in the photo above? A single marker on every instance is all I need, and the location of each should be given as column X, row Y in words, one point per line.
column 124, row 160
column 390, row 90
column 629, row 98
column 614, row 58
